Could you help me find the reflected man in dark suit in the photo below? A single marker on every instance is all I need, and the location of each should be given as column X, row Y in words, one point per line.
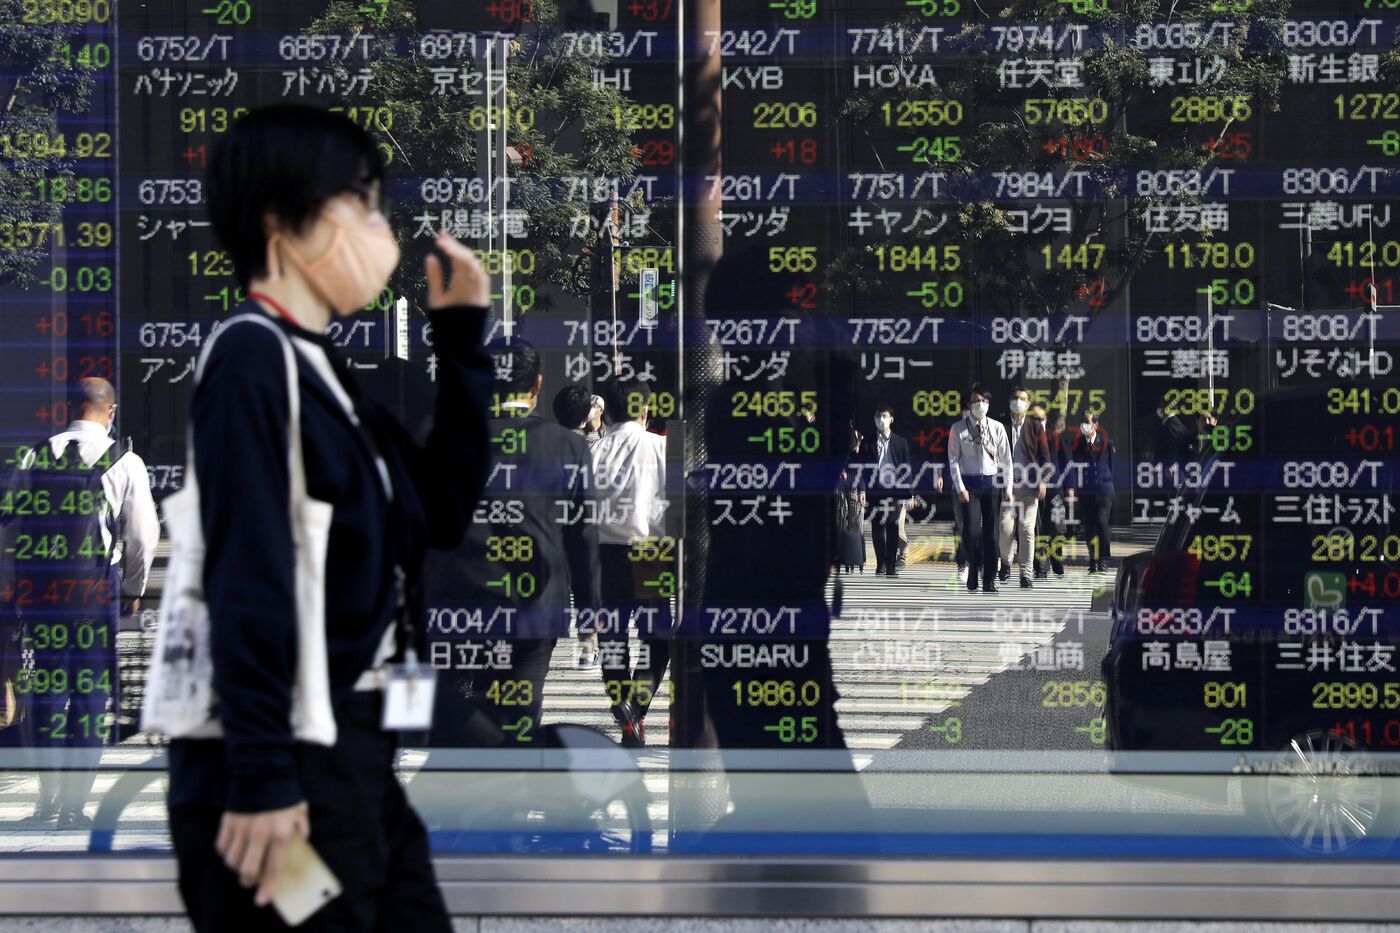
column 759, row 620
column 500, row 601
column 1175, row 441
column 885, row 472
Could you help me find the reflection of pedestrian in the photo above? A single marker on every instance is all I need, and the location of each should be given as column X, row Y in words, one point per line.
column 580, row 411
column 848, row 515
column 1030, row 463
column 80, row 488
column 1091, row 480
column 761, row 673
column 776, row 569
column 1050, row 520
column 294, row 197
column 638, row 572
column 886, row 474
column 1201, row 446
column 850, row 536
column 534, row 543
column 901, row 532
column 979, row 459
column 959, row 558
column 595, row 427
column 1173, row 443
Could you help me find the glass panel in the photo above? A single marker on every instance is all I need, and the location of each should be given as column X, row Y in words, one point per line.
column 722, row 593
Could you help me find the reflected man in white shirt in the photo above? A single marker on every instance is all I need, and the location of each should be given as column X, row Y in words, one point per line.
column 637, row 558
column 979, row 461
column 77, row 486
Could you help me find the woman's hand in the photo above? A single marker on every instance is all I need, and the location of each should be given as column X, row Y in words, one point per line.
column 468, row 283
column 254, row 845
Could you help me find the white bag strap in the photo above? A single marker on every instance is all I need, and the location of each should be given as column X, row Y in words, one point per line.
column 297, row 459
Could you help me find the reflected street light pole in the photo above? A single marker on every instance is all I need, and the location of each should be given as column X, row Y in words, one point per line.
column 495, row 158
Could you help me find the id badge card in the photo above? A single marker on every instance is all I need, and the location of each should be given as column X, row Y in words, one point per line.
column 409, row 691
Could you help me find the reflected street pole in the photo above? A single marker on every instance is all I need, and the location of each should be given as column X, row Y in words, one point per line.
column 494, row 157
column 697, row 798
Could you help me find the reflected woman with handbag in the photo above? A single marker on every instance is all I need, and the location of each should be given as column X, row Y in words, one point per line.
column 299, row 538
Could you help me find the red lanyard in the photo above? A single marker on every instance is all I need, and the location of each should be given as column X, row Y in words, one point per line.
column 275, row 306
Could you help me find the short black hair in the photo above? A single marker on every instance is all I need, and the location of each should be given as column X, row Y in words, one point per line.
column 618, row 394
column 1017, row 390
column 288, row 159
column 572, row 404
column 882, row 408
column 516, row 364
column 979, row 389
column 1093, row 417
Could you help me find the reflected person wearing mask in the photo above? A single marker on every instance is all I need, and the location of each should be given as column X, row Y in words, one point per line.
column 1090, row 479
column 885, row 480
column 293, row 196
column 1030, row 456
column 979, row 461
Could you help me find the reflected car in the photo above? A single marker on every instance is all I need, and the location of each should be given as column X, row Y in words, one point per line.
column 1265, row 620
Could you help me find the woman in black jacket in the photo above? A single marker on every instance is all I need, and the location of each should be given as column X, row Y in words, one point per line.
column 293, row 196
column 847, row 511
column 1090, row 477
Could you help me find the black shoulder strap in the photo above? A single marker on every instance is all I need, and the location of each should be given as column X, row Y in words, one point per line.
column 72, row 453
column 27, row 462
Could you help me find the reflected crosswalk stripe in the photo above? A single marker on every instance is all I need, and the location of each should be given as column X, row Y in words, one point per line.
column 940, row 641
column 925, row 607
column 951, row 640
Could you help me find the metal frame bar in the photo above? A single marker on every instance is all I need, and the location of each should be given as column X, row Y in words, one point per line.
column 530, row 886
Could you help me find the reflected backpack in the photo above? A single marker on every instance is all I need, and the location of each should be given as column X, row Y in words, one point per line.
column 62, row 558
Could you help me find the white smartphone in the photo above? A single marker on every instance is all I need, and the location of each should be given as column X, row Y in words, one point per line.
column 306, row 884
